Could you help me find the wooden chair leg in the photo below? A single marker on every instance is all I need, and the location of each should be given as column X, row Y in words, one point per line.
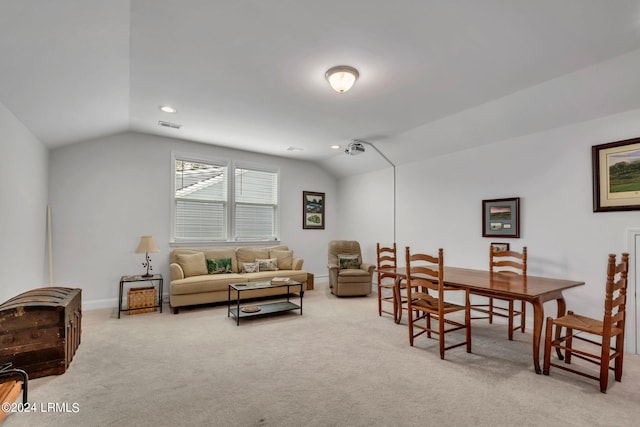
column 441, row 336
column 523, row 315
column 604, row 364
column 510, row 320
column 395, row 306
column 410, row 327
column 620, row 352
column 467, row 322
column 569, row 345
column 428, row 325
column 547, row 346
column 490, row 310
column 379, row 300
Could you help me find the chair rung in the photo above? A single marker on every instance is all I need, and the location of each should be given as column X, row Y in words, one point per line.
column 456, row 345
column 495, row 313
column 589, row 357
column 566, row 368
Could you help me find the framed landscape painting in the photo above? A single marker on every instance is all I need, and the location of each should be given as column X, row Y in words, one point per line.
column 616, row 176
column 312, row 210
column 501, row 217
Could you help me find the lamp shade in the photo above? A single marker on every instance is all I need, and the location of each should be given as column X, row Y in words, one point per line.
column 147, row 244
column 342, row 77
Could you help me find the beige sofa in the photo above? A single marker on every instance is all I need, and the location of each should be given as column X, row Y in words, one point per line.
column 192, row 284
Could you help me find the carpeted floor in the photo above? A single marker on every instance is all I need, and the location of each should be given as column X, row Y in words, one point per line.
column 337, row 365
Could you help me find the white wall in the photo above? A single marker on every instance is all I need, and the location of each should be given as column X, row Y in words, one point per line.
column 107, row 193
column 23, row 203
column 440, row 199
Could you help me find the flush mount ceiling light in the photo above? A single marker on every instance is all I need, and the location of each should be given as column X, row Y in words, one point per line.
column 168, row 109
column 342, row 77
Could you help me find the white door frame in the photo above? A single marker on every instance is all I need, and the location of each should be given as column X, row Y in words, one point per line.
column 632, row 335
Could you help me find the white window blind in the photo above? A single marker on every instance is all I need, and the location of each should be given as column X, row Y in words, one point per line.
column 256, row 204
column 221, row 201
column 200, row 201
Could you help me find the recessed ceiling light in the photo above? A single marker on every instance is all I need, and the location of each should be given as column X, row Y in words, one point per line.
column 168, row 109
column 335, row 147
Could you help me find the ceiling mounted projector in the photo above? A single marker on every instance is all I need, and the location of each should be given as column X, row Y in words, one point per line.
column 354, row 148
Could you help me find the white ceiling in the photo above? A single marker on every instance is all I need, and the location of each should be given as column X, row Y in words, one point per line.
column 249, row 74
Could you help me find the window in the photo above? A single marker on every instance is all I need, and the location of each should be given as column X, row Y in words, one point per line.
column 208, row 206
column 256, row 203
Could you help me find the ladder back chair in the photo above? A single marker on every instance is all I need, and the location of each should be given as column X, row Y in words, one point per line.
column 425, row 273
column 505, row 262
column 387, row 293
column 609, row 329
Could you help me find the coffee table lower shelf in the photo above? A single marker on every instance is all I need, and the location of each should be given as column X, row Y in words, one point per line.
column 269, row 308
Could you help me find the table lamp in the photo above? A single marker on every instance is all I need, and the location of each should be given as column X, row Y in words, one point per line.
column 147, row 244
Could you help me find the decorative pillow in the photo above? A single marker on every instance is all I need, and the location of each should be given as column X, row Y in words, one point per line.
column 250, row 267
column 192, row 264
column 219, row 266
column 249, row 255
column 348, row 261
column 285, row 259
column 270, row 264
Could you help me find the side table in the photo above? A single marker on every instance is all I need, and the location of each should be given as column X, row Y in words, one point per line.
column 141, row 278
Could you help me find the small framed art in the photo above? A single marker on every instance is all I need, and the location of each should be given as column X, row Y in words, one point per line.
column 501, row 217
column 616, row 176
column 312, row 210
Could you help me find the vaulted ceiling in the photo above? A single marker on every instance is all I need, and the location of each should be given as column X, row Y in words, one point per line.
column 249, row 74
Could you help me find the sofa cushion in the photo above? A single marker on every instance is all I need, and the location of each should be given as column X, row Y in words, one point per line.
column 348, row 261
column 247, row 254
column 284, row 258
column 192, row 264
column 206, row 283
column 219, row 266
column 353, row 275
column 270, row 264
column 278, row 248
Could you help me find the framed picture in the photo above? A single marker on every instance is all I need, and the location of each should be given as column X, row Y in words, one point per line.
column 499, row 247
column 616, row 176
column 501, row 217
column 312, row 210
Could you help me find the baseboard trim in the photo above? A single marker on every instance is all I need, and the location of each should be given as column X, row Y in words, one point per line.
column 100, row 304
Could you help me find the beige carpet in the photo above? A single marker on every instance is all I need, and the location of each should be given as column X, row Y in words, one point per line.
column 337, row 365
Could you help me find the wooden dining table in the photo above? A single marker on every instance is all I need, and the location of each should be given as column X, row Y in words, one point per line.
column 533, row 289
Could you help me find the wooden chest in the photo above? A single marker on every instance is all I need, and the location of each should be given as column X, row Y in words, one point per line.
column 40, row 330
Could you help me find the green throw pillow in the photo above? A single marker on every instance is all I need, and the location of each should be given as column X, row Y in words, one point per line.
column 219, row 266
column 348, row 261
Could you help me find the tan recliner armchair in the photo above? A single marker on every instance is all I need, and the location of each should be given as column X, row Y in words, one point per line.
column 354, row 278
